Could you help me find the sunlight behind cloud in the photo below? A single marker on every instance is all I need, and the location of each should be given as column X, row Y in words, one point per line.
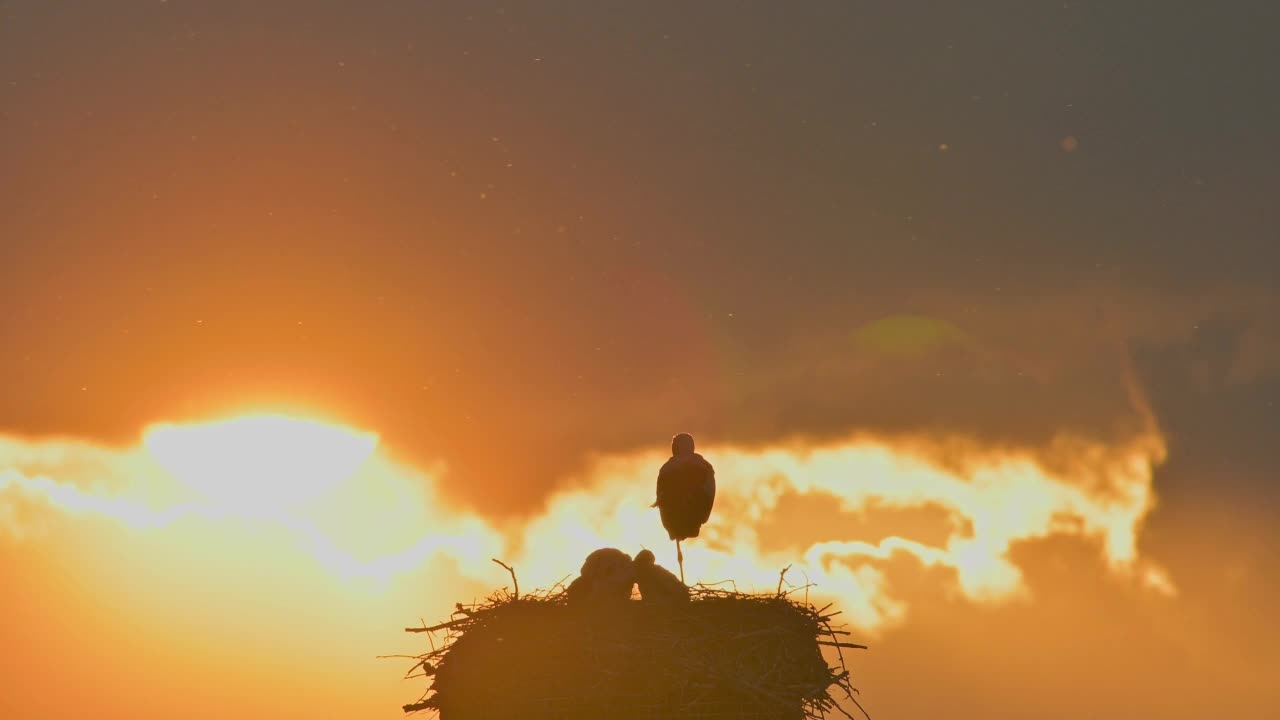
column 366, row 519
column 261, row 462
column 1002, row 498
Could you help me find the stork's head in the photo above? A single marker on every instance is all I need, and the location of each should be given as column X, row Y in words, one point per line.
column 682, row 443
column 644, row 557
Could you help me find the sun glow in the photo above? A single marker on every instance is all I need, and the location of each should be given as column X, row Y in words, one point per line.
column 259, row 463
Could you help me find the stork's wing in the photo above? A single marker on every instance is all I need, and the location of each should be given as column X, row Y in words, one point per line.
column 710, row 489
column 657, row 491
column 666, row 481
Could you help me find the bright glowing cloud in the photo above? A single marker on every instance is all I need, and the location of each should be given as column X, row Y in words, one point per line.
column 261, row 462
column 1001, row 498
column 364, row 516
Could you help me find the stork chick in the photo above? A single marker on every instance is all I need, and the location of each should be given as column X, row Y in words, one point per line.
column 607, row 575
column 658, row 584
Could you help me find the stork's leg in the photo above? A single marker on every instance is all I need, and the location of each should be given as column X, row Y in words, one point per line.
column 680, row 560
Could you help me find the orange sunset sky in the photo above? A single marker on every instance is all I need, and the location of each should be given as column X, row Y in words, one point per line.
column 309, row 309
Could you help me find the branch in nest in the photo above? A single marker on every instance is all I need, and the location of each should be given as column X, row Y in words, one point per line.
column 514, row 582
column 834, row 643
column 714, row 586
column 414, row 707
column 433, row 628
column 782, row 577
column 798, row 588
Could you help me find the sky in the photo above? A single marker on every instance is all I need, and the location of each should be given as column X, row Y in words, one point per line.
column 974, row 306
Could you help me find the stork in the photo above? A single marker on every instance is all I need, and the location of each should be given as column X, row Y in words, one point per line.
column 607, row 576
column 686, row 492
column 657, row 584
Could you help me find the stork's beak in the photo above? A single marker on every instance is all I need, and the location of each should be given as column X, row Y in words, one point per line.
column 655, row 504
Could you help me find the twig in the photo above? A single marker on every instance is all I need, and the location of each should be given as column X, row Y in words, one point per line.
column 837, row 643
column 845, row 685
column 846, row 712
column 782, row 576
column 860, row 708
column 433, row 628
column 514, row 581
column 713, row 585
column 804, row 587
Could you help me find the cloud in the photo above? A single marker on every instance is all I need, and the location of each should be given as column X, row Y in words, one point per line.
column 1018, row 371
column 387, row 518
column 656, row 354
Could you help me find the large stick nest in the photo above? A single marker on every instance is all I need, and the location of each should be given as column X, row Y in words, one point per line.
column 724, row 654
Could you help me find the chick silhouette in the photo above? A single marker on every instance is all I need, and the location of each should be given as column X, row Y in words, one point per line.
column 607, row 575
column 658, row 584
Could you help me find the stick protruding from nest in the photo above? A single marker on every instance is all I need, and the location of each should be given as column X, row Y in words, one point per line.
column 514, row 581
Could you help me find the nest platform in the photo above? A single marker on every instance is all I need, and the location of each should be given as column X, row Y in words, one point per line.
column 724, row 654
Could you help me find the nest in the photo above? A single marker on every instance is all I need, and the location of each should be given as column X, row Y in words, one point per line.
column 724, row 654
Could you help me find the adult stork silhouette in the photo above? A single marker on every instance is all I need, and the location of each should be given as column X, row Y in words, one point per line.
column 686, row 492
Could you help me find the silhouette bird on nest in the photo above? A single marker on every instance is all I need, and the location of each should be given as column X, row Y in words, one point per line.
column 658, row 584
column 607, row 575
column 686, row 492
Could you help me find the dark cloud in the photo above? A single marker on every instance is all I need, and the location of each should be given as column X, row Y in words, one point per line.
column 1084, row 643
